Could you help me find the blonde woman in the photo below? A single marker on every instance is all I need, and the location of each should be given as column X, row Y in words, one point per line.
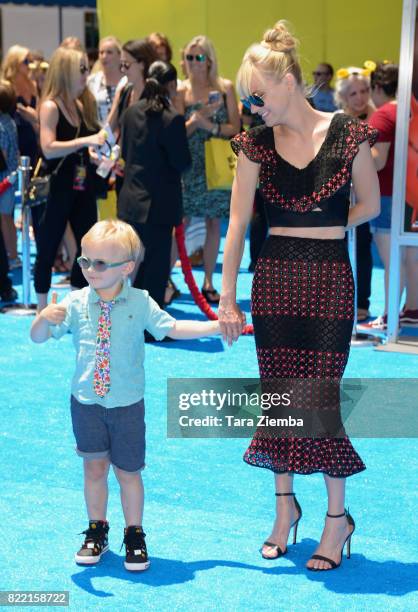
column 302, row 294
column 209, row 104
column 104, row 83
column 353, row 97
column 16, row 70
column 65, row 136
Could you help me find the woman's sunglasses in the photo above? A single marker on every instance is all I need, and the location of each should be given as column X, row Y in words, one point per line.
column 26, row 61
column 127, row 65
column 199, row 57
column 84, row 69
column 98, row 265
column 254, row 100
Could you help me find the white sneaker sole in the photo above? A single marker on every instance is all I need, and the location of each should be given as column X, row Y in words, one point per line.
column 81, row 560
column 137, row 567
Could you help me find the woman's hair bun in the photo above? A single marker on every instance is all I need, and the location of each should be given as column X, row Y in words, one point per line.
column 279, row 38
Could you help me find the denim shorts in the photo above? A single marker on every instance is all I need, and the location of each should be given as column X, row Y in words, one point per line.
column 383, row 221
column 117, row 434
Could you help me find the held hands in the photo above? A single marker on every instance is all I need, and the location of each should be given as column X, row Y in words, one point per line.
column 53, row 313
column 231, row 320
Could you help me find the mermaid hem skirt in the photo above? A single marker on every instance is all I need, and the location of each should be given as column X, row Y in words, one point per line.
column 302, row 305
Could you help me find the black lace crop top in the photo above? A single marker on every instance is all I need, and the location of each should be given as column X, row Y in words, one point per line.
column 317, row 195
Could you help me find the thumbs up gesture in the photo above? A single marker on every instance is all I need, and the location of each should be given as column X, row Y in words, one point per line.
column 54, row 313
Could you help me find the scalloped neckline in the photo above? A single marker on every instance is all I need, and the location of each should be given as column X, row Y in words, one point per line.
column 321, row 148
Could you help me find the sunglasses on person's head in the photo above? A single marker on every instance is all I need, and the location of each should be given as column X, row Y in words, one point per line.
column 98, row 265
column 127, row 65
column 199, row 57
column 84, row 69
column 252, row 99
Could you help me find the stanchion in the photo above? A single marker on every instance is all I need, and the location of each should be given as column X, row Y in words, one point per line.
column 24, row 308
column 358, row 338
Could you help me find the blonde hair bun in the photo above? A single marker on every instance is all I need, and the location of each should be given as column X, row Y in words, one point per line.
column 279, row 38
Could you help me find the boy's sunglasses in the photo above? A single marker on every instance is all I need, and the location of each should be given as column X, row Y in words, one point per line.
column 84, row 69
column 254, row 100
column 199, row 57
column 98, row 265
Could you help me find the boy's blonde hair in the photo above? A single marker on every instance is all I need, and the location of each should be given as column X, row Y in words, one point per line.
column 119, row 232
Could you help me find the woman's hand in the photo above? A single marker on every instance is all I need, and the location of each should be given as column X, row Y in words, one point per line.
column 208, row 110
column 28, row 113
column 119, row 167
column 231, row 320
column 201, row 121
column 96, row 140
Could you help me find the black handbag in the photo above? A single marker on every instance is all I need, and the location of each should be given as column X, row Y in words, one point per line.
column 39, row 186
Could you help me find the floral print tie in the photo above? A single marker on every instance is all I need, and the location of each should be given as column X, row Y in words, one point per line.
column 101, row 379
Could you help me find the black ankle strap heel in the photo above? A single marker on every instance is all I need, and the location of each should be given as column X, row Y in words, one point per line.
column 332, row 563
column 295, row 524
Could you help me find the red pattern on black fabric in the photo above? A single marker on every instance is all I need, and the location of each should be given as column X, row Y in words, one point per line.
column 258, row 146
column 300, row 363
column 303, row 291
column 333, row 456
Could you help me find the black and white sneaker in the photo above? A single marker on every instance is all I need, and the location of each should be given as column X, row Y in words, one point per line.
column 136, row 559
column 95, row 544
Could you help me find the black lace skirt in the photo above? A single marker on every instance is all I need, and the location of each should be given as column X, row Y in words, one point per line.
column 302, row 309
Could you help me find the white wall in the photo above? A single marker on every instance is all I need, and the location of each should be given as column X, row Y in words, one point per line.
column 37, row 27
column 73, row 23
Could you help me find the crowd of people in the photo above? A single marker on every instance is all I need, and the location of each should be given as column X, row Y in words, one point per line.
column 56, row 111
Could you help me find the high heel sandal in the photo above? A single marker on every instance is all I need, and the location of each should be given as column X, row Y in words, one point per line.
column 279, row 551
column 332, row 563
column 211, row 295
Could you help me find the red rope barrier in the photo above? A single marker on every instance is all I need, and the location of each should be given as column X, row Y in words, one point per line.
column 5, row 184
column 186, row 267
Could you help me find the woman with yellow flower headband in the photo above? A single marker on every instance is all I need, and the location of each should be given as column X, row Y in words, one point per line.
column 352, row 96
column 352, row 90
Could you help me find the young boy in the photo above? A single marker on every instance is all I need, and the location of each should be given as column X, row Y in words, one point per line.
column 107, row 320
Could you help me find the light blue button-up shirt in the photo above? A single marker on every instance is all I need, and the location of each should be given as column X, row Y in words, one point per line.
column 134, row 310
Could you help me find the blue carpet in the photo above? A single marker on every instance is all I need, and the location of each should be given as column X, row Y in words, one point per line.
column 206, row 512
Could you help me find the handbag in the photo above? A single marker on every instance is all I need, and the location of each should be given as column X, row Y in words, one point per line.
column 220, row 164
column 40, row 186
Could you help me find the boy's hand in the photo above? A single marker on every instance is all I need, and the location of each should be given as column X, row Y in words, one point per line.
column 53, row 313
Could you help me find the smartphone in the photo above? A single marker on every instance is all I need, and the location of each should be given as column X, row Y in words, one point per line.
column 214, row 96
